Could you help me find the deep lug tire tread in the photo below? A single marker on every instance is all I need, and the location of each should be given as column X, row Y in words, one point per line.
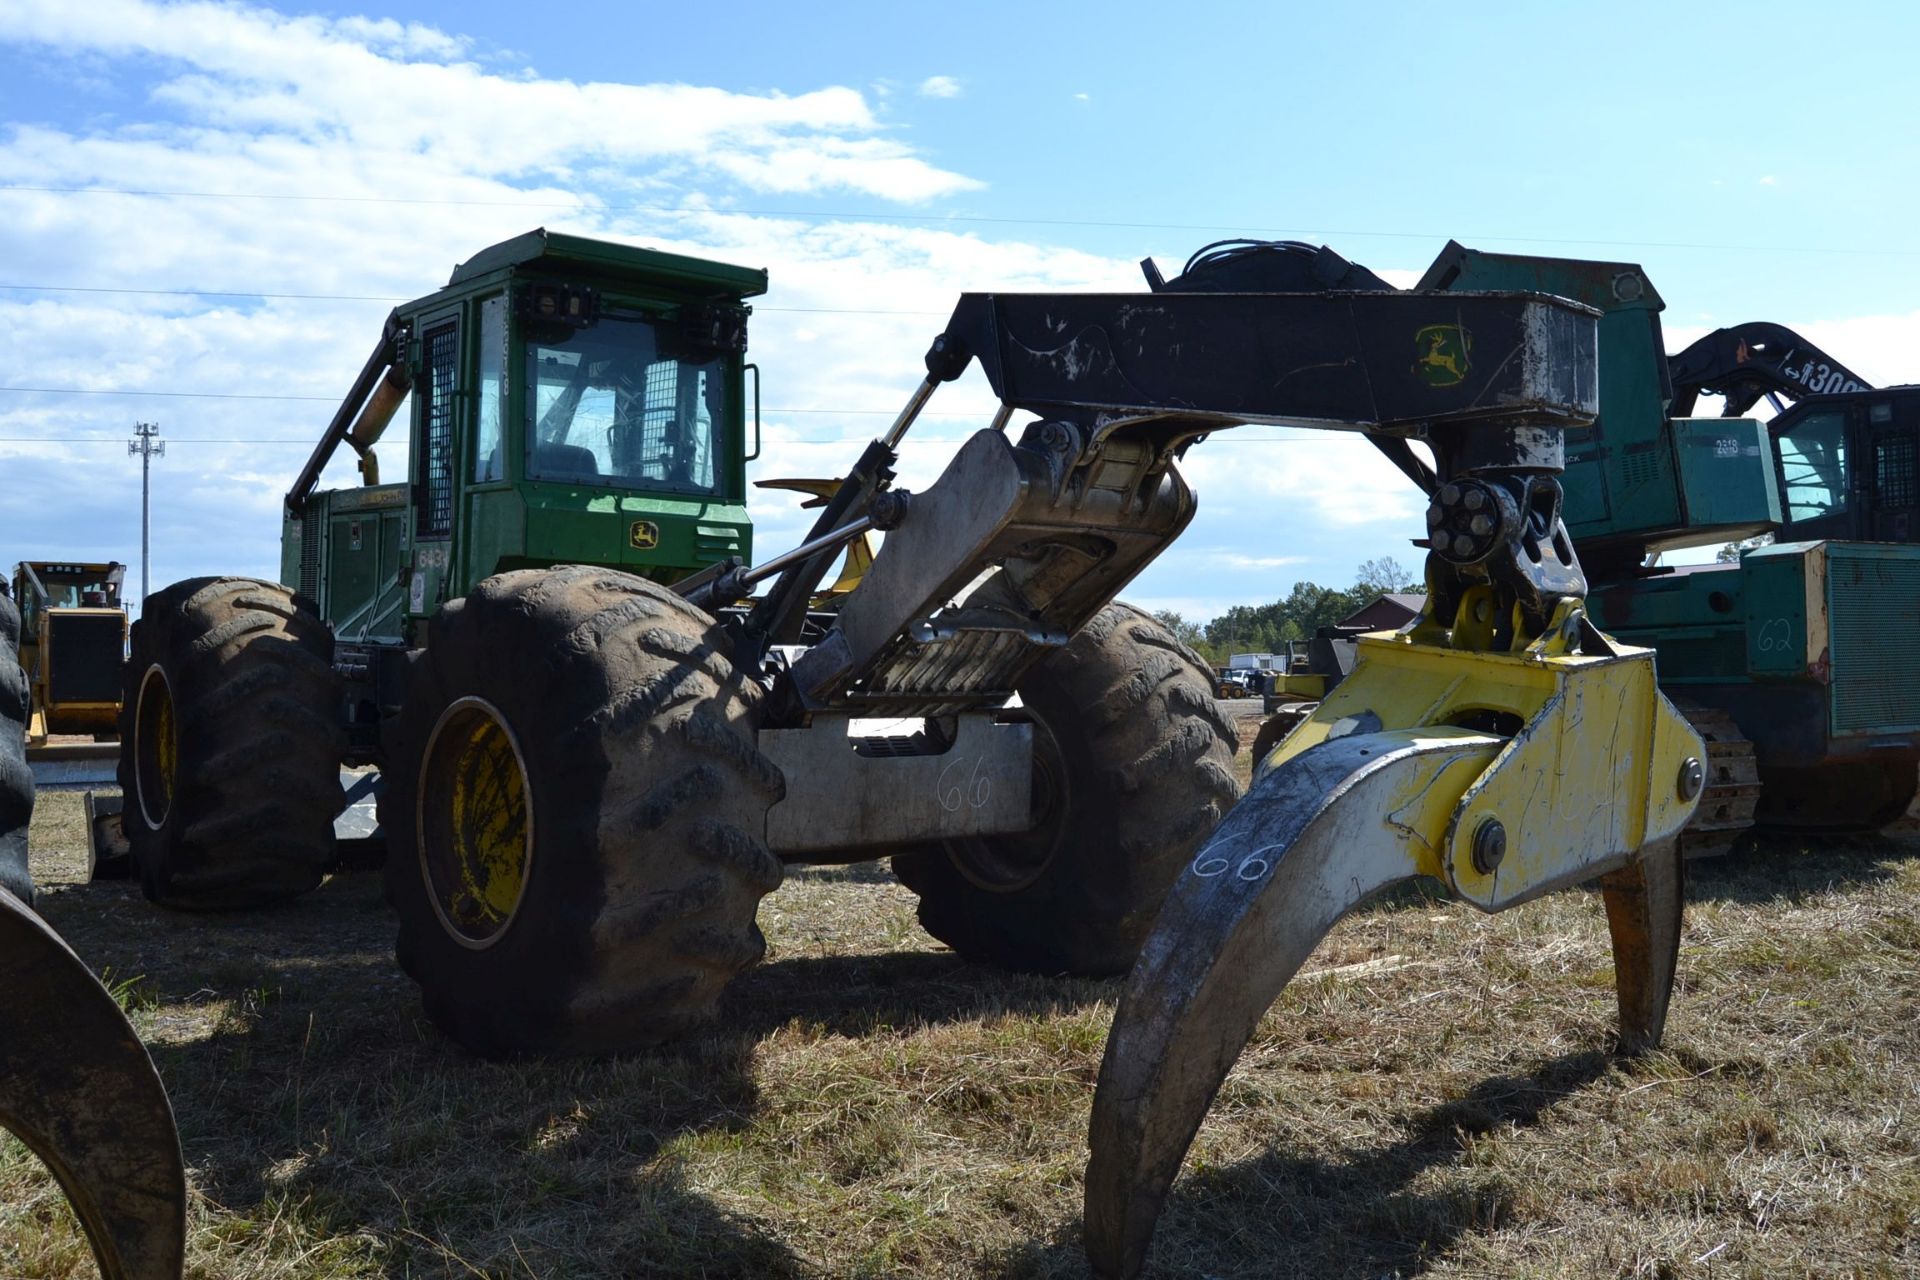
column 256, row 704
column 649, row 802
column 1149, row 757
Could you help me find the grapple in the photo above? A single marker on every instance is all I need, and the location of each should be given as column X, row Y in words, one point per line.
column 1401, row 773
column 77, row 1086
column 1500, row 745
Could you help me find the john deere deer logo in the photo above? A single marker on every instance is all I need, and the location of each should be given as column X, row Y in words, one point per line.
column 644, row 535
column 1442, row 354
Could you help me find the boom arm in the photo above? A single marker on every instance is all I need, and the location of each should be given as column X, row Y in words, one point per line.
column 1747, row 361
column 1125, row 382
column 378, row 391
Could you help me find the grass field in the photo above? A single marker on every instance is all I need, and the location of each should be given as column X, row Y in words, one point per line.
column 1437, row 1100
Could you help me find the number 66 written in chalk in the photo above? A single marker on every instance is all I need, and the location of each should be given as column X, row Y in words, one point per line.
column 972, row 792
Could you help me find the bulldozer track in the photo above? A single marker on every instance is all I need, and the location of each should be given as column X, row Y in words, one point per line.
column 1732, row 792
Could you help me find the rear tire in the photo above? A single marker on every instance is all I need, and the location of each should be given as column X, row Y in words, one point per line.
column 16, row 780
column 1133, row 768
column 231, row 742
column 575, row 813
column 1276, row 727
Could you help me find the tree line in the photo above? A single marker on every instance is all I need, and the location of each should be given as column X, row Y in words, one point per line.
column 1266, row 628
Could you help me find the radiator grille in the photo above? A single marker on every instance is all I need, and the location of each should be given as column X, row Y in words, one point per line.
column 1876, row 674
column 86, row 655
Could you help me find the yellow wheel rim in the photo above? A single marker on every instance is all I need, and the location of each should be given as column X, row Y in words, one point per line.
column 474, row 822
column 156, row 748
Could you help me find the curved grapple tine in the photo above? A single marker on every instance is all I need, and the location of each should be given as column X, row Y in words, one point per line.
column 77, row 1086
column 1312, row 839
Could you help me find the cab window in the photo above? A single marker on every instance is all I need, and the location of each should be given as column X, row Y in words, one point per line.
column 1813, row 466
column 613, row 405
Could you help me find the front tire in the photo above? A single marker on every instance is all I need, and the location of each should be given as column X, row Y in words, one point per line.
column 1133, row 768
column 575, row 812
column 231, row 741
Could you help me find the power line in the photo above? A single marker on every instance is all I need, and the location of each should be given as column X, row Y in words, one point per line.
column 1218, row 437
column 261, row 395
column 577, row 205
column 305, row 444
column 368, row 297
column 172, row 395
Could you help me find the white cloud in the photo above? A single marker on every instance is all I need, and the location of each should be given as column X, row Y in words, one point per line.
column 1081, row 97
column 940, row 87
column 1238, row 560
column 380, row 92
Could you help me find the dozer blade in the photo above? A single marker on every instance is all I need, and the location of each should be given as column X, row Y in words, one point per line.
column 1343, row 809
column 77, row 1086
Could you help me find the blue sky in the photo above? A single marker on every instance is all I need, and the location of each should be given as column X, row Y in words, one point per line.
column 879, row 159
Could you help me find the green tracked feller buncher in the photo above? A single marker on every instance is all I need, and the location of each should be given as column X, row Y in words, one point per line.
column 597, row 762
column 1781, row 657
column 1787, row 659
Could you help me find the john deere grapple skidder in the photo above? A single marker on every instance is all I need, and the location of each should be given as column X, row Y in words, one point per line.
column 76, row 1085
column 593, row 776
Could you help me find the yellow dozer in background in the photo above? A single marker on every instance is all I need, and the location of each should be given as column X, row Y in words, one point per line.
column 73, row 640
column 73, row 643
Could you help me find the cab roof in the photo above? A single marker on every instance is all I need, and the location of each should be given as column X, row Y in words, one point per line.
column 556, row 250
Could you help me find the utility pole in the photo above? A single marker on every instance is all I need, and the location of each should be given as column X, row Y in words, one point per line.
column 148, row 444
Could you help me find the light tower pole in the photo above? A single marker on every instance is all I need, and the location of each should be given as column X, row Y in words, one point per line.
column 148, row 444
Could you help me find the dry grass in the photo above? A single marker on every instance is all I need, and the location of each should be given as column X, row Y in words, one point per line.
column 877, row 1107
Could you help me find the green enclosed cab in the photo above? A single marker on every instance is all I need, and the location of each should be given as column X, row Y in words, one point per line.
column 572, row 401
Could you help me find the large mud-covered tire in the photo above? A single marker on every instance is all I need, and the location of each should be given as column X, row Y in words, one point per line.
column 231, row 736
column 1133, row 767
column 575, row 813
column 16, row 781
